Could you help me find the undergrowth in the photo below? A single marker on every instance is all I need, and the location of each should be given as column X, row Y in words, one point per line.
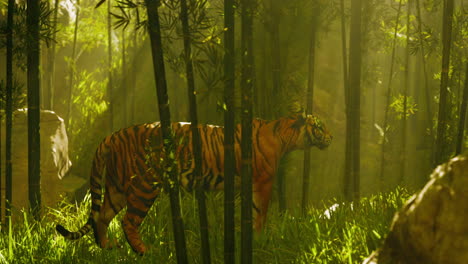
column 346, row 234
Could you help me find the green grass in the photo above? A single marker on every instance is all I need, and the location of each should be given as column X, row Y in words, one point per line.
column 347, row 237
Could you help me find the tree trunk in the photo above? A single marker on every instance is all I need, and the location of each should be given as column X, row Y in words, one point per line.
column 276, row 82
column 33, row 52
column 423, row 57
column 347, row 186
column 110, row 95
column 461, row 124
column 246, row 133
column 405, row 100
column 166, row 130
column 275, row 51
column 387, row 104
column 49, row 91
column 1, row 178
column 229, row 126
column 309, row 103
column 72, row 70
column 441, row 148
column 355, row 92
column 196, row 140
column 260, row 103
column 124, row 80
column 9, row 114
column 133, row 72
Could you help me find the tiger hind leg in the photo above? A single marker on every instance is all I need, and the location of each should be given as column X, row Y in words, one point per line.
column 138, row 206
column 114, row 202
column 261, row 199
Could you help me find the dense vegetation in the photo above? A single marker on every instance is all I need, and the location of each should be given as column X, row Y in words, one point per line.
column 347, row 236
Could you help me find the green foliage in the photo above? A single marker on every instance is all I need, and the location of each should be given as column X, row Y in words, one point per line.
column 18, row 95
column 123, row 19
column 92, row 28
column 377, row 18
column 86, row 124
column 20, row 33
column 88, row 98
column 346, row 236
column 205, row 35
column 429, row 41
column 460, row 40
column 398, row 106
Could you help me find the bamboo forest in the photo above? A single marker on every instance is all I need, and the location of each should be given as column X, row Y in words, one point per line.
column 234, row 131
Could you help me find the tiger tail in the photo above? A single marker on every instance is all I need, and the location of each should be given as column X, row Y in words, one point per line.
column 97, row 172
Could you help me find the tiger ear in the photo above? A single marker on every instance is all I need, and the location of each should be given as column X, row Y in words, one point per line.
column 298, row 114
column 297, row 111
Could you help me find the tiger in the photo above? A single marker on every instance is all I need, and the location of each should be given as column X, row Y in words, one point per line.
column 130, row 182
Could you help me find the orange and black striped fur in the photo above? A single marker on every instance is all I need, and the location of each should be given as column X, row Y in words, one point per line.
column 129, row 181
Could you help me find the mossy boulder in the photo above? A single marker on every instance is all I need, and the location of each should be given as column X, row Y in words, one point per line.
column 432, row 226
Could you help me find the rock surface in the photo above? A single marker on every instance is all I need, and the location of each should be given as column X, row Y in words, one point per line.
column 54, row 158
column 432, row 226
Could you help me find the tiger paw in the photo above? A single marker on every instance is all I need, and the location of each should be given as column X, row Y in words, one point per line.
column 140, row 249
column 111, row 244
column 114, row 243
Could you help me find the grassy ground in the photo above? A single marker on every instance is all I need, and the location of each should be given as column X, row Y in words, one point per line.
column 348, row 236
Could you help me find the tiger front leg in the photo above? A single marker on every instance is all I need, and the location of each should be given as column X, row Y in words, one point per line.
column 261, row 200
column 138, row 206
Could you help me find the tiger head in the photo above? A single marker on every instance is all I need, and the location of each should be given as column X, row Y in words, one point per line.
column 312, row 132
